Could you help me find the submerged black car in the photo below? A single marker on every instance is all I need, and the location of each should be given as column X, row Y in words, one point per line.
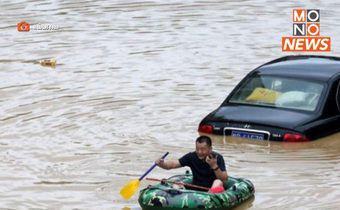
column 293, row 98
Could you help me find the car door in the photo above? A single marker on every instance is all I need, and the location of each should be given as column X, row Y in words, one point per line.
column 329, row 122
column 338, row 96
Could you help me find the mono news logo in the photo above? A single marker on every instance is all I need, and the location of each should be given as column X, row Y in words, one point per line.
column 306, row 33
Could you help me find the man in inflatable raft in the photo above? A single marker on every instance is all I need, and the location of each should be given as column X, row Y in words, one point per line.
column 207, row 166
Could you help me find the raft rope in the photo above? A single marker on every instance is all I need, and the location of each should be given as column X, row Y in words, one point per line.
column 179, row 183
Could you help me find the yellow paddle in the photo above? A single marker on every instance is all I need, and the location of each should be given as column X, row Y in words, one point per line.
column 130, row 188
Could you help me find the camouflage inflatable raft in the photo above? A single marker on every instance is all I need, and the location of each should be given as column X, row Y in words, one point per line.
column 163, row 197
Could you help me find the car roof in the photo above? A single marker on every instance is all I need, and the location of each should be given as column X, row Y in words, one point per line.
column 314, row 67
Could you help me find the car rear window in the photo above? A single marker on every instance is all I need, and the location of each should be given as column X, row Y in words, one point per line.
column 279, row 92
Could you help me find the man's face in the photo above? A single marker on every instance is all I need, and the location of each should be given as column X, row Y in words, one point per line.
column 202, row 150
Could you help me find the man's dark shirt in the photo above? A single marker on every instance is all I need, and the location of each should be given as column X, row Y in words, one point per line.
column 203, row 175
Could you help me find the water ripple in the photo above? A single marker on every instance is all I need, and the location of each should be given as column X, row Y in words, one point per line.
column 133, row 80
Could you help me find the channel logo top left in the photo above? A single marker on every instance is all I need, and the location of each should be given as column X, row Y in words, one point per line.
column 23, row 26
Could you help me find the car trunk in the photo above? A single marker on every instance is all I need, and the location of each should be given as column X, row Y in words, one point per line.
column 273, row 117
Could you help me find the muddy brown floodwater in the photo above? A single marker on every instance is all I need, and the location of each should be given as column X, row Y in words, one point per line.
column 132, row 80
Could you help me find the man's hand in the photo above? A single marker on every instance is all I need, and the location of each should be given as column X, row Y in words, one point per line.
column 212, row 161
column 169, row 164
column 160, row 163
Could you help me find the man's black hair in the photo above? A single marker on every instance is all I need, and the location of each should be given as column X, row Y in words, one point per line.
column 204, row 139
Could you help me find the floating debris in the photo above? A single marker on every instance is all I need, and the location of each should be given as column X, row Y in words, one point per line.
column 48, row 62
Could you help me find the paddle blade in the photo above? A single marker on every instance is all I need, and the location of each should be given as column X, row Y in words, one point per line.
column 129, row 189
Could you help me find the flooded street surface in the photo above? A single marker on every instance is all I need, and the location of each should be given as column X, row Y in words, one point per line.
column 133, row 80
